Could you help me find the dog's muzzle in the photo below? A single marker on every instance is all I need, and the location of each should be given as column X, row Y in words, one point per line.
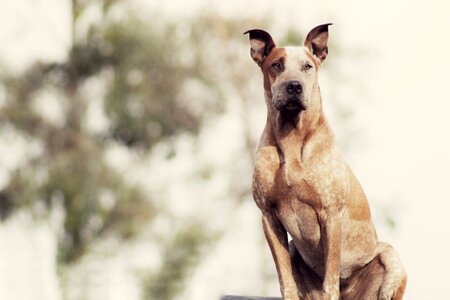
column 292, row 99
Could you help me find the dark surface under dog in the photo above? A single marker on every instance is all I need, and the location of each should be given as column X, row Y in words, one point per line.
column 230, row 297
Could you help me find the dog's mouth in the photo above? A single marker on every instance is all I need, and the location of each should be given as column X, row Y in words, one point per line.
column 292, row 105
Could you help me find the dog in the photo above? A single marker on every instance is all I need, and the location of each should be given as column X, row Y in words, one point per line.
column 305, row 189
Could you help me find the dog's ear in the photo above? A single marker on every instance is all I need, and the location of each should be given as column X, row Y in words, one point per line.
column 261, row 44
column 317, row 41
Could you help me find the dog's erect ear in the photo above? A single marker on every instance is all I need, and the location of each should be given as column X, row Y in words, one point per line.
column 261, row 44
column 317, row 41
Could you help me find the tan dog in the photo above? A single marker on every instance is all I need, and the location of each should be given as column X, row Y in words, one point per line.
column 304, row 187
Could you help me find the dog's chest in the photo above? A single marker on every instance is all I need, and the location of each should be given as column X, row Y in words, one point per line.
column 296, row 197
column 296, row 192
column 316, row 182
column 301, row 222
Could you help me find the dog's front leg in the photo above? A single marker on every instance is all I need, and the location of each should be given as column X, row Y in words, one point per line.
column 277, row 238
column 331, row 230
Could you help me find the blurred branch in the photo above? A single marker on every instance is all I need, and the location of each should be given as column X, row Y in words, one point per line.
column 180, row 257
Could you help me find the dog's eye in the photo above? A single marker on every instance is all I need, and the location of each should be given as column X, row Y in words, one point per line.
column 277, row 66
column 307, row 66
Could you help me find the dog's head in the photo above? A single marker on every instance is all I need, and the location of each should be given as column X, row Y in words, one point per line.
column 290, row 73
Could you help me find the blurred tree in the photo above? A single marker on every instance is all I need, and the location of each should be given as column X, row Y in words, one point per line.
column 141, row 69
column 182, row 253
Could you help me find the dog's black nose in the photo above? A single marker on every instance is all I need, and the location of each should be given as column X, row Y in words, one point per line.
column 293, row 87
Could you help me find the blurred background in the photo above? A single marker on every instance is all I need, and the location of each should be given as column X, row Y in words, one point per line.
column 128, row 131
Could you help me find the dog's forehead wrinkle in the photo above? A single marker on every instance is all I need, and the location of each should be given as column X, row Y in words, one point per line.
column 296, row 54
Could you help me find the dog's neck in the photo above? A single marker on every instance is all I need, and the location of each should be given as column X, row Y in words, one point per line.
column 292, row 131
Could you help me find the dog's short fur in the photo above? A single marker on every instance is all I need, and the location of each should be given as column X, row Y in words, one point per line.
column 304, row 187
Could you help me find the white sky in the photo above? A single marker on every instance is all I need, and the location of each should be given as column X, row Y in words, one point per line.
column 405, row 121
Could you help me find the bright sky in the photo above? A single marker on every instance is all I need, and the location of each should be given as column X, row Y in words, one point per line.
column 405, row 121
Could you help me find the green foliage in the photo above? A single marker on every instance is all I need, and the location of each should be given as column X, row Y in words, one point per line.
column 144, row 79
column 292, row 37
column 181, row 254
column 148, row 74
